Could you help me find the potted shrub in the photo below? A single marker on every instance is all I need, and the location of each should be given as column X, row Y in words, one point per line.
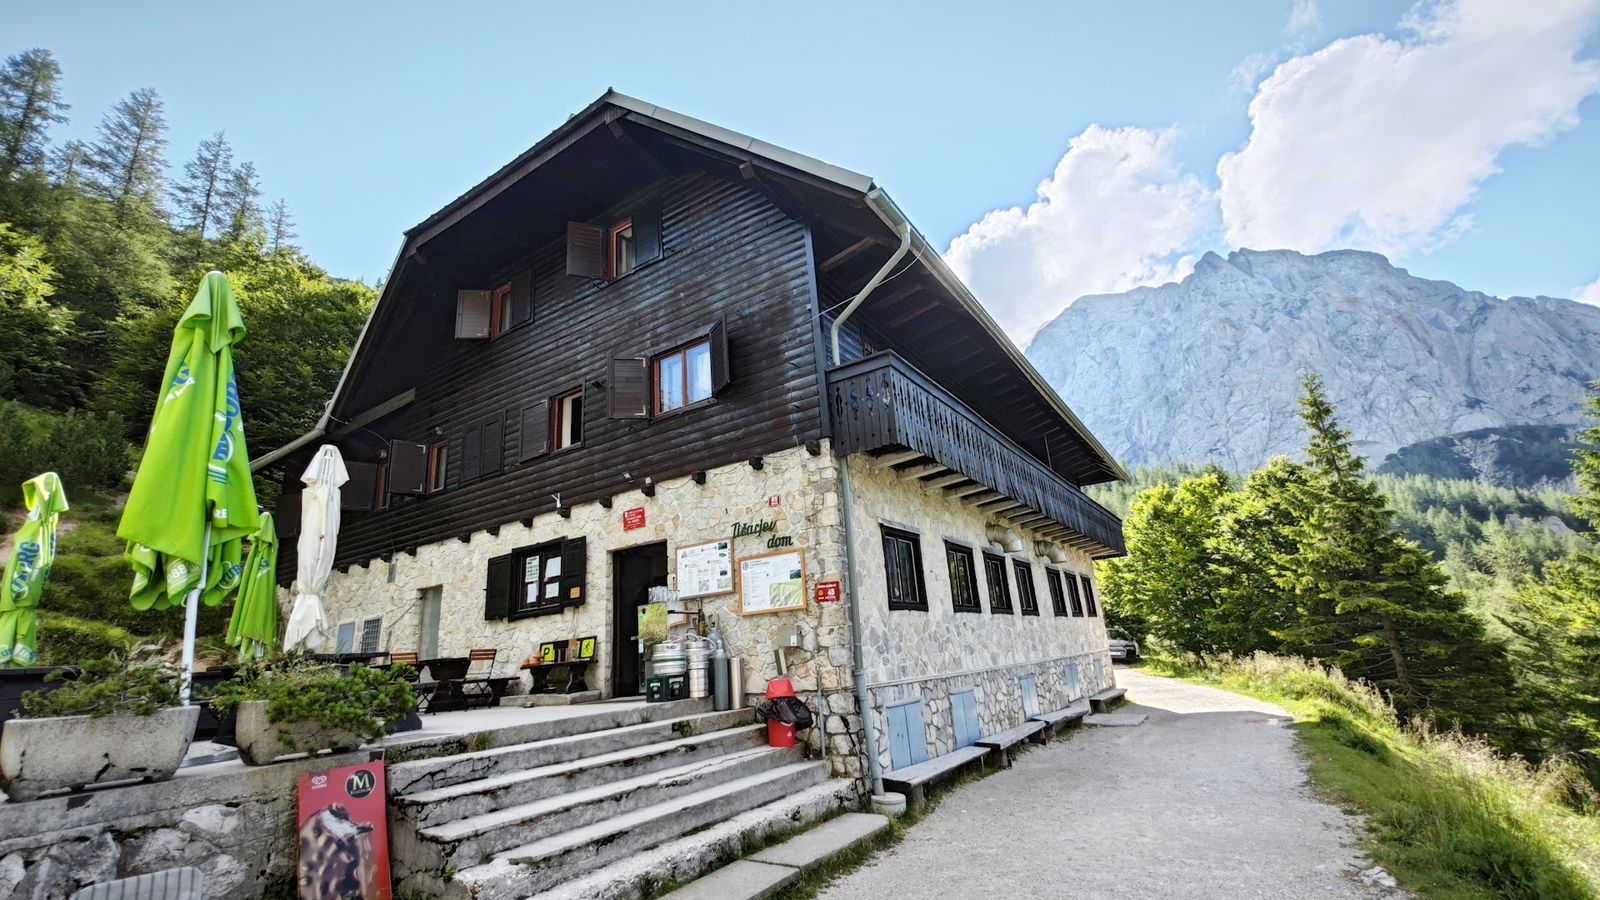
column 292, row 707
column 118, row 720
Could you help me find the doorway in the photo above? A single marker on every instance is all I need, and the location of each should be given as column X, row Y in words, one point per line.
column 634, row 572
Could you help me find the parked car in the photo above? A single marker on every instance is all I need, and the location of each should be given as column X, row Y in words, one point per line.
column 1123, row 647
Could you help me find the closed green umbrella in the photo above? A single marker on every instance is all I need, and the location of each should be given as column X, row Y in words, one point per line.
column 254, row 625
column 28, row 568
column 192, row 502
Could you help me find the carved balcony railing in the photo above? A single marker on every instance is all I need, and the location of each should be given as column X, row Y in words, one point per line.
column 883, row 407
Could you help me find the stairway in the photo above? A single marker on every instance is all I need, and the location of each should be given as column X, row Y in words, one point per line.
column 520, row 820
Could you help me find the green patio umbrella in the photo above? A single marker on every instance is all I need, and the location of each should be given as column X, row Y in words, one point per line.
column 254, row 626
column 192, row 502
column 28, row 568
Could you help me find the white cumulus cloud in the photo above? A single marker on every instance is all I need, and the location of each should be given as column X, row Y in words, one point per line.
column 1117, row 213
column 1380, row 143
column 1589, row 293
column 1304, row 16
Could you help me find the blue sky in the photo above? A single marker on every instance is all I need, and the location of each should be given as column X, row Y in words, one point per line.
column 367, row 117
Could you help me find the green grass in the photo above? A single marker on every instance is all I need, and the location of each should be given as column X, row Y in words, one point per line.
column 1446, row 815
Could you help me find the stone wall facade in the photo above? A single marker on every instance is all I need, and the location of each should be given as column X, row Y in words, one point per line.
column 927, row 654
column 909, row 654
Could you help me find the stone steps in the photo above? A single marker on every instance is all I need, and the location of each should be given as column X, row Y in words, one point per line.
column 473, row 798
column 548, row 862
column 564, row 740
column 468, row 841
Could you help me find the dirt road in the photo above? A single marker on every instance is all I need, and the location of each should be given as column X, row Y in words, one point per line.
column 1206, row 799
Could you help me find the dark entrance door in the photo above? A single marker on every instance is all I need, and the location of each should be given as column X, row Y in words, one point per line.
column 634, row 572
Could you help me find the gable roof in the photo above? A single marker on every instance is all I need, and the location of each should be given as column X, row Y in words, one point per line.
column 611, row 107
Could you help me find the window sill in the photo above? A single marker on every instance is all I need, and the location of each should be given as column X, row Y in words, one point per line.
column 688, row 407
column 536, row 612
column 1034, row 612
column 999, row 611
column 968, row 609
column 914, row 607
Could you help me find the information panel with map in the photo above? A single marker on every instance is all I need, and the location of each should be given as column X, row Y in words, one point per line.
column 772, row 582
column 705, row 569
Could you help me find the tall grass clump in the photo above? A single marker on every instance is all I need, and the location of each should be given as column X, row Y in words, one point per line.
column 1446, row 814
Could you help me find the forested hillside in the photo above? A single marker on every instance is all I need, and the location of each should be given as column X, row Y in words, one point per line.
column 102, row 245
column 1466, row 605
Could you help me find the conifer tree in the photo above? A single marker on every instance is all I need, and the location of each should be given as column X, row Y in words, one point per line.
column 30, row 102
column 280, row 226
column 207, row 179
column 1372, row 602
column 242, row 202
column 1557, row 618
column 127, row 159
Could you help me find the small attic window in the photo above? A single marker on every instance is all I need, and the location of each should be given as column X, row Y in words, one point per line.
column 619, row 249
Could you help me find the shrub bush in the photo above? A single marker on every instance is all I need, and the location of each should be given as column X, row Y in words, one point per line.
column 362, row 701
column 113, row 684
column 86, row 449
column 70, row 641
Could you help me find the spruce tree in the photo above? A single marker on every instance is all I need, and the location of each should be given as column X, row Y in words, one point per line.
column 1557, row 620
column 1372, row 602
column 30, row 102
column 127, row 159
column 280, row 226
column 242, row 203
column 198, row 198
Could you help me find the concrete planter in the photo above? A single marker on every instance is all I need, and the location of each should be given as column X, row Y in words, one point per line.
column 43, row 756
column 261, row 740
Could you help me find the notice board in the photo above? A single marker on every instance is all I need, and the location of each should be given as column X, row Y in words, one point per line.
column 705, row 569
column 772, row 582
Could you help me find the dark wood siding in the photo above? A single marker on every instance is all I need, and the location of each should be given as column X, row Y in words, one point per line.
column 728, row 254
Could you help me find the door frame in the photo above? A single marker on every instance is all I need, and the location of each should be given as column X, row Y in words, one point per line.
column 625, row 601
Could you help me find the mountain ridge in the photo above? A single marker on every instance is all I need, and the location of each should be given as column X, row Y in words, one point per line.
column 1207, row 369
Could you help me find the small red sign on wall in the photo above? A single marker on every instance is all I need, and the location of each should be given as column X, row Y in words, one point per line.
column 827, row 592
column 344, row 838
column 775, row 500
column 633, row 518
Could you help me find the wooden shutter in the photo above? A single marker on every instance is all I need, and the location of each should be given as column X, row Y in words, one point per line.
column 647, row 232
column 493, row 446
column 586, row 250
column 628, row 388
column 471, row 454
column 286, row 514
column 535, row 430
column 472, row 313
column 499, row 588
column 522, row 299
column 573, row 558
column 408, row 467
column 719, row 356
column 362, row 488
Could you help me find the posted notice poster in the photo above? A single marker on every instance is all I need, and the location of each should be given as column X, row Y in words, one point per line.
column 772, row 582
column 344, row 834
column 705, row 569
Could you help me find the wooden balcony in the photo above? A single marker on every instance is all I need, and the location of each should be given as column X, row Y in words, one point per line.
column 883, row 407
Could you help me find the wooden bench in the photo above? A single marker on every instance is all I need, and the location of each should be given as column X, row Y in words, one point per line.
column 1106, row 699
column 999, row 745
column 1069, row 715
column 912, row 780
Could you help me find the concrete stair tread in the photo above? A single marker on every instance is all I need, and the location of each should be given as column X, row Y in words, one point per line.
column 601, row 832
column 460, row 829
column 684, row 858
column 493, row 782
column 763, row 874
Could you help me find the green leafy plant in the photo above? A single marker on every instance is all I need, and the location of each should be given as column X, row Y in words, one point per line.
column 362, row 700
column 113, row 684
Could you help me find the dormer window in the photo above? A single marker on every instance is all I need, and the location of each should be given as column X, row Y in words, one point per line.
column 620, row 249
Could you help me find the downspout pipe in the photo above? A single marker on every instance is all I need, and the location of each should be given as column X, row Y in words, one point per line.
column 869, row 727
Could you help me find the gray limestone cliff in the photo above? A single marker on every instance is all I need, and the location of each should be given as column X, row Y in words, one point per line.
column 1208, row 369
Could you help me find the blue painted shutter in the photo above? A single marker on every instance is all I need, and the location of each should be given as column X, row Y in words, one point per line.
column 1072, row 682
column 1030, row 695
column 908, row 737
column 964, row 715
column 1099, row 674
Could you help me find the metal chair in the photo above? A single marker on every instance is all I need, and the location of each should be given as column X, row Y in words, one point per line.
column 475, row 687
column 403, row 659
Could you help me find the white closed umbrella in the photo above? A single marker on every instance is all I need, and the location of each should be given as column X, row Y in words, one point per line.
column 319, row 532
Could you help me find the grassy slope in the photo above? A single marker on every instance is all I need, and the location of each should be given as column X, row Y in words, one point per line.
column 1445, row 816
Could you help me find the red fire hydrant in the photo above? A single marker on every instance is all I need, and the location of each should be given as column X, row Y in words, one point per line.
column 779, row 734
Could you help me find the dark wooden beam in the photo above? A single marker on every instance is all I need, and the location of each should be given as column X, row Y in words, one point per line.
column 913, row 313
column 843, row 256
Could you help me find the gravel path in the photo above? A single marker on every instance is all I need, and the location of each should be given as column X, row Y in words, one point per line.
column 1206, row 799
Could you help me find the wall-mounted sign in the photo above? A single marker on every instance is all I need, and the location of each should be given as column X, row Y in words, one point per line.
column 772, row 582
column 344, row 834
column 754, row 529
column 633, row 518
column 705, row 569
column 775, row 500
column 827, row 592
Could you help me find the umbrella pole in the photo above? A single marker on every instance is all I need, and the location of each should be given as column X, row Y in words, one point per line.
column 191, row 616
